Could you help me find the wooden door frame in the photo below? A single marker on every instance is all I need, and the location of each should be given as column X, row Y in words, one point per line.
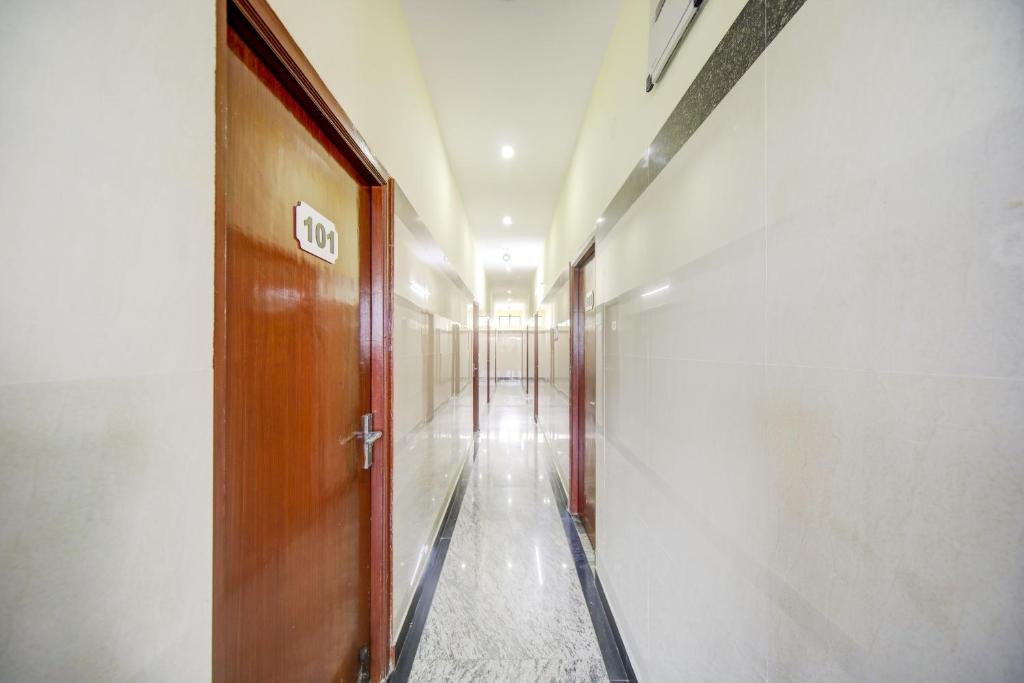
column 456, row 387
column 264, row 33
column 476, row 367
column 526, row 366
column 488, row 359
column 536, row 366
column 577, row 373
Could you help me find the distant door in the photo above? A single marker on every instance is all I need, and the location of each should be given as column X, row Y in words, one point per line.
column 536, row 367
column 475, row 375
column 292, row 589
column 509, row 346
column 456, row 384
column 526, row 351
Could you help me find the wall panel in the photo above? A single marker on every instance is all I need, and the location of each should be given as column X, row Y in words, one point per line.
column 433, row 407
column 812, row 317
column 106, row 340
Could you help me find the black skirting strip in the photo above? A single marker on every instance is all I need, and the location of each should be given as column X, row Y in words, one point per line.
column 613, row 651
column 412, row 629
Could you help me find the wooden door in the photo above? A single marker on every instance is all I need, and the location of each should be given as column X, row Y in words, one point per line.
column 292, row 587
column 526, row 355
column 537, row 367
column 489, row 318
column 476, row 367
column 588, row 512
column 456, row 386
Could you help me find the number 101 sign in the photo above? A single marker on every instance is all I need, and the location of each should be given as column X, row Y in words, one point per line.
column 315, row 233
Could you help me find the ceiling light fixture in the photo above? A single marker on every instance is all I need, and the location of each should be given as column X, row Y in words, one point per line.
column 506, row 221
column 507, row 151
column 508, row 291
column 506, row 257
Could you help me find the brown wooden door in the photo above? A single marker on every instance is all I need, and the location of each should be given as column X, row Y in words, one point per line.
column 293, row 581
column 588, row 512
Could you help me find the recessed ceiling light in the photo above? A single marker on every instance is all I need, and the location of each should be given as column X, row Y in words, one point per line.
column 507, row 151
column 508, row 291
column 509, row 299
column 506, row 221
column 506, row 257
column 508, row 269
column 600, row 220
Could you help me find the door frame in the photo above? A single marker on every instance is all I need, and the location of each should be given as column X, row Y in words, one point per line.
column 264, row 33
column 536, row 366
column 476, row 367
column 577, row 373
column 488, row 359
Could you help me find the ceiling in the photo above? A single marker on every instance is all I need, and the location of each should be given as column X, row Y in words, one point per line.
column 509, row 287
column 510, row 72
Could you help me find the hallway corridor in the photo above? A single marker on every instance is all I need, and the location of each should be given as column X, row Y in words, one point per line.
column 377, row 341
column 508, row 604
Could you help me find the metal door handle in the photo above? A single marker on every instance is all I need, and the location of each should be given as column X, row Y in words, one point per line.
column 369, row 437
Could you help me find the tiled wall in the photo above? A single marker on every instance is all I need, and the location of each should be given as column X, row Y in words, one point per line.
column 433, row 406
column 544, row 352
column 813, row 455
column 106, row 340
column 553, row 403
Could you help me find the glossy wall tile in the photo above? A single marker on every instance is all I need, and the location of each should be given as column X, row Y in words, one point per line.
column 433, row 408
column 812, row 444
column 87, row 551
column 553, row 403
column 106, row 341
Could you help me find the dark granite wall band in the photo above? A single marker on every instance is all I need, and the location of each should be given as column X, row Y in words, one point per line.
column 757, row 24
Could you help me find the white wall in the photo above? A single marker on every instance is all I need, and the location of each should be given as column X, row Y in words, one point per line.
column 812, row 455
column 621, row 120
column 106, row 316
column 509, row 357
column 363, row 52
column 106, row 198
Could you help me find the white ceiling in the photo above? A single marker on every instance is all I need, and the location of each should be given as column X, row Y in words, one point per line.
column 515, row 72
column 506, row 287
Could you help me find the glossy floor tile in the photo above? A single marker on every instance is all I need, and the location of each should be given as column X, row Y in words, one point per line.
column 508, row 604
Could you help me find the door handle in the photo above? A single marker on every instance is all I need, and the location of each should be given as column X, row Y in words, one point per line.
column 369, row 438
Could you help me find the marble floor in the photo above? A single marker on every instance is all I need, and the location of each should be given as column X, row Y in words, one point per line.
column 508, row 604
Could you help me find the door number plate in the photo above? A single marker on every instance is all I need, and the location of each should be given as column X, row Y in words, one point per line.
column 315, row 233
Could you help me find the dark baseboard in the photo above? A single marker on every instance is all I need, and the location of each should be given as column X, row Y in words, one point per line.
column 419, row 608
column 616, row 659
